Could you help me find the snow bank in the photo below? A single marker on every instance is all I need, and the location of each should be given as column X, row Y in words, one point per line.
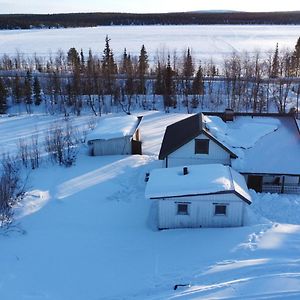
column 277, row 208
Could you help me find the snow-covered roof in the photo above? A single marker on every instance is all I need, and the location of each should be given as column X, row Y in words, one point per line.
column 183, row 131
column 114, row 127
column 201, row 179
column 264, row 144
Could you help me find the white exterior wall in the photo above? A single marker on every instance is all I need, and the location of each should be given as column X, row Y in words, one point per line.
column 201, row 212
column 186, row 155
column 117, row 146
column 291, row 179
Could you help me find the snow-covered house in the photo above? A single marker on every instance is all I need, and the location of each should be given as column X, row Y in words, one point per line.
column 265, row 148
column 211, row 195
column 115, row 136
column 190, row 142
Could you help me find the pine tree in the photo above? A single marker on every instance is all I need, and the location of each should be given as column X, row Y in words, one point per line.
column 188, row 65
column 73, row 58
column 16, row 90
column 168, row 86
column 143, row 66
column 82, row 59
column 296, row 59
column 275, row 63
column 28, row 89
column 159, row 86
column 109, row 68
column 3, row 97
column 126, row 63
column 37, row 96
column 198, row 84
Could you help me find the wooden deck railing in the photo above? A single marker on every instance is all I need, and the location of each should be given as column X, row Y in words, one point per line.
column 287, row 188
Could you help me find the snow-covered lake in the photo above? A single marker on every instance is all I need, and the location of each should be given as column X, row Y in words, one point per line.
column 206, row 41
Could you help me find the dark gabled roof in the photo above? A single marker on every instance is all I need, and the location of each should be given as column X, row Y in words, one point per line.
column 182, row 132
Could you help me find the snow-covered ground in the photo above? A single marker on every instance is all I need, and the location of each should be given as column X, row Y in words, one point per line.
column 90, row 234
column 206, row 41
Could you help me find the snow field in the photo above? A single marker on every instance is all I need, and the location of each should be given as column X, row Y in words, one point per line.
column 206, row 41
column 90, row 234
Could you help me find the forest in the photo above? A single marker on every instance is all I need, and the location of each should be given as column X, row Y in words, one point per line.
column 68, row 83
column 27, row 21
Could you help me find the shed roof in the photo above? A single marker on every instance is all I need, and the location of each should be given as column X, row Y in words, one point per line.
column 114, row 127
column 200, row 180
column 182, row 132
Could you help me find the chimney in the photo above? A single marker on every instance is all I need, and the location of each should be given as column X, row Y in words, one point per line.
column 228, row 115
column 185, row 171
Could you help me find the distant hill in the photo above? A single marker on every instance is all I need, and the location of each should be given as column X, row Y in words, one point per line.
column 214, row 11
column 28, row 21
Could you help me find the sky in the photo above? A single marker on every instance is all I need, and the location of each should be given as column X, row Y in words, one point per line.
column 142, row 6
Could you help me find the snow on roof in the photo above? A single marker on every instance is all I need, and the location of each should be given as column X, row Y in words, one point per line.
column 201, row 179
column 263, row 144
column 115, row 127
column 243, row 134
column 239, row 184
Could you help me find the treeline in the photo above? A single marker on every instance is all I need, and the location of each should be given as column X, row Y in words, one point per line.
column 27, row 21
column 70, row 82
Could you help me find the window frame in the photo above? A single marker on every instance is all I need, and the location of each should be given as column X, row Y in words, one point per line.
column 205, row 146
column 181, row 213
column 220, row 214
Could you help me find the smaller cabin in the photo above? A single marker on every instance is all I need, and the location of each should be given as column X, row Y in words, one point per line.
column 116, row 136
column 194, row 196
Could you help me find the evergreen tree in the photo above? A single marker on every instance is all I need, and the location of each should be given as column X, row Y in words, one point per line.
column 188, row 65
column 143, row 66
column 296, row 59
column 3, row 97
column 129, row 84
column 16, row 90
column 37, row 96
column 275, row 63
column 82, row 59
column 28, row 89
column 159, row 85
column 109, row 68
column 198, row 84
column 168, row 86
column 73, row 58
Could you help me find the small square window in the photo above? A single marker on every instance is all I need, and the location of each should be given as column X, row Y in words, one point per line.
column 182, row 209
column 220, row 210
column 201, row 146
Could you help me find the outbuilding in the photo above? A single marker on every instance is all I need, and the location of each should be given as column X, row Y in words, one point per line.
column 211, row 195
column 116, row 136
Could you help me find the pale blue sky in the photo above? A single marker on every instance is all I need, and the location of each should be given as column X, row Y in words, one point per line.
column 55, row 6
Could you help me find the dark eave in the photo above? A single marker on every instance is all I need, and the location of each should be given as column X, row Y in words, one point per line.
column 205, row 194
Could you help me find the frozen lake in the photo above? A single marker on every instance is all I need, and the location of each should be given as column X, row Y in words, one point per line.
column 206, row 41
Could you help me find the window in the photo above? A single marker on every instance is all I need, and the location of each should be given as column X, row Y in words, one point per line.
column 220, row 209
column 182, row 209
column 201, row 146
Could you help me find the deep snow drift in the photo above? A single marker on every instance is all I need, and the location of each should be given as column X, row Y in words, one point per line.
column 90, row 234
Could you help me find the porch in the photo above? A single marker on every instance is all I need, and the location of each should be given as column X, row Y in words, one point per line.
column 279, row 184
column 291, row 188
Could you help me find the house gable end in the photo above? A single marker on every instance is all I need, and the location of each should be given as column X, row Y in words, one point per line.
column 182, row 132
